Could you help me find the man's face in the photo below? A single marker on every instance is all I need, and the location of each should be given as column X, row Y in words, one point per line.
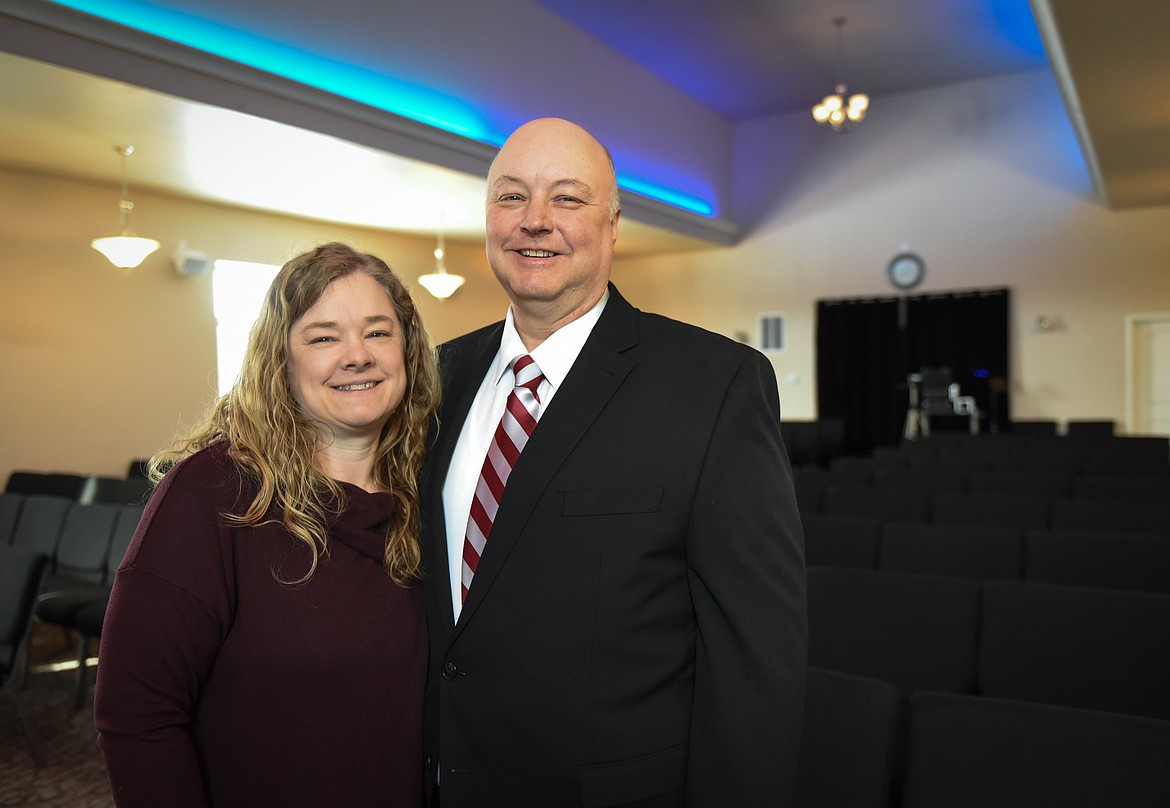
column 550, row 235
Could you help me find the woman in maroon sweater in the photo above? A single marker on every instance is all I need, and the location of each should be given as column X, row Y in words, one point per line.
column 264, row 643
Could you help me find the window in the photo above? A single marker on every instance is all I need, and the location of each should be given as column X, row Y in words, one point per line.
column 237, row 289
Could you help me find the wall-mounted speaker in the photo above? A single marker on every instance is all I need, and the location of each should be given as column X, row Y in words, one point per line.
column 191, row 262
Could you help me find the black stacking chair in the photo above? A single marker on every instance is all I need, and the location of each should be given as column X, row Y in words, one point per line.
column 882, row 504
column 1098, row 649
column 917, row 632
column 80, row 562
column 1097, row 559
column 21, row 570
column 847, row 750
column 1112, row 515
column 87, row 618
column 1021, row 511
column 831, row 540
column 1082, row 429
column 1121, row 487
column 10, row 505
column 39, row 525
column 976, row 752
column 961, row 551
column 1009, row 481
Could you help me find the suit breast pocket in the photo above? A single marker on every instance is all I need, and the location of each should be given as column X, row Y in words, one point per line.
column 611, row 501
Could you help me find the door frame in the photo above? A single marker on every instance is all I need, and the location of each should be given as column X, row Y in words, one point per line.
column 1132, row 323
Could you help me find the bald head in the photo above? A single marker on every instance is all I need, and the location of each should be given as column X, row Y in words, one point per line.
column 541, row 133
column 552, row 222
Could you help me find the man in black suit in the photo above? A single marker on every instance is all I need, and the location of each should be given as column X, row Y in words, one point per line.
column 632, row 631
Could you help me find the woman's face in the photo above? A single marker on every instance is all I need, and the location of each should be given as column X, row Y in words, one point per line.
column 346, row 359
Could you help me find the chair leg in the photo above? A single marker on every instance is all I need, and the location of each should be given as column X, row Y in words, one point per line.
column 26, row 730
column 82, row 671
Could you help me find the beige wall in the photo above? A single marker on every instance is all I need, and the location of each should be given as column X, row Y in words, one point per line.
column 98, row 366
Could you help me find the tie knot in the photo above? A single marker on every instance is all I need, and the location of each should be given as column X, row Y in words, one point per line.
column 527, row 373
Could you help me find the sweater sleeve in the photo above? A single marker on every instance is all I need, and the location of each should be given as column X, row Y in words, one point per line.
column 169, row 611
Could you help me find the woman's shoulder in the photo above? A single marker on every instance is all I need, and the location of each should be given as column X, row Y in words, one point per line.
column 208, row 476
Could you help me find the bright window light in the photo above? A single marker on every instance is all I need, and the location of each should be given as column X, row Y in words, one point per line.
column 237, row 290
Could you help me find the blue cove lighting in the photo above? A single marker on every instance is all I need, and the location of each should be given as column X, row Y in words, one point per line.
column 345, row 80
column 361, row 84
column 668, row 195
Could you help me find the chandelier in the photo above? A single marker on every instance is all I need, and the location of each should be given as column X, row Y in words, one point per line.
column 440, row 283
column 835, row 110
column 125, row 250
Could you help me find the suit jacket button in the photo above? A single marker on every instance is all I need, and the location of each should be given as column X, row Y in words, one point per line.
column 450, row 671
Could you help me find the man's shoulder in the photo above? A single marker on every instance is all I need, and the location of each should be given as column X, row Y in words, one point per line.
column 658, row 329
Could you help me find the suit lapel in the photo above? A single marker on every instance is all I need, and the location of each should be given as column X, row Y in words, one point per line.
column 463, row 364
column 596, row 375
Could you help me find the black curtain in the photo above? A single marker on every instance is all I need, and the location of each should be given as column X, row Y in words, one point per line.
column 866, row 349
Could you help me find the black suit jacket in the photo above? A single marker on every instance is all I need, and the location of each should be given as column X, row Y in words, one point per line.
column 636, row 627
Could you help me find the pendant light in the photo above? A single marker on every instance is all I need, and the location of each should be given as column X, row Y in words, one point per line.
column 834, row 110
column 125, row 250
column 441, row 283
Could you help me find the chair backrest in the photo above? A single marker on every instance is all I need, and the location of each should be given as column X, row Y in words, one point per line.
column 1121, row 487
column 49, row 484
column 932, row 477
column 1090, row 429
column 800, row 441
column 882, row 504
column 39, row 525
column 831, row 540
column 1098, row 559
column 847, row 749
column 1034, row 426
column 1100, row 649
column 124, row 527
column 20, row 574
column 917, row 632
column 962, row 551
column 1020, row 511
column 1008, row 481
column 85, row 541
column 1140, row 450
column 10, row 505
column 1112, row 515
column 974, row 752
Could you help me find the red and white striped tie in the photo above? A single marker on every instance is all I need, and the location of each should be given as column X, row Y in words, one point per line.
column 515, row 427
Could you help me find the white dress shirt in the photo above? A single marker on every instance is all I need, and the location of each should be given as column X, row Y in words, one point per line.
column 555, row 357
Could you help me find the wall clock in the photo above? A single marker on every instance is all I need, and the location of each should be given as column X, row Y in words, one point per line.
column 906, row 270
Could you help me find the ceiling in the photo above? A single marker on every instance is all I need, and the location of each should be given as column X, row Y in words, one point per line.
column 740, row 58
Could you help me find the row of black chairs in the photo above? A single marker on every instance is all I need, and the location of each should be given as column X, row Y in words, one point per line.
column 1007, row 664
column 865, row 747
column 133, row 489
column 941, row 476
column 1106, row 560
column 1022, row 510
column 1091, row 648
column 83, row 544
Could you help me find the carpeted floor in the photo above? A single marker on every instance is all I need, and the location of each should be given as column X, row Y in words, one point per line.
column 73, row 774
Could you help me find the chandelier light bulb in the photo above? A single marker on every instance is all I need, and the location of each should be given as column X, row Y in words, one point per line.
column 833, row 109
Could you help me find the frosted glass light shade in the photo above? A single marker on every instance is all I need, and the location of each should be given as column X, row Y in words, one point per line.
column 126, row 252
column 441, row 284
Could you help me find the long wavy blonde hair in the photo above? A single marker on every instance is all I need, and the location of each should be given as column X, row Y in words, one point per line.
column 274, row 443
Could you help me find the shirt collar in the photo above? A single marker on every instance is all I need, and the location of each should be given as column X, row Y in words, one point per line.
column 554, row 356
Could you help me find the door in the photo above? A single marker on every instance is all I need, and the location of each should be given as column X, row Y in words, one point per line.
column 1148, row 376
